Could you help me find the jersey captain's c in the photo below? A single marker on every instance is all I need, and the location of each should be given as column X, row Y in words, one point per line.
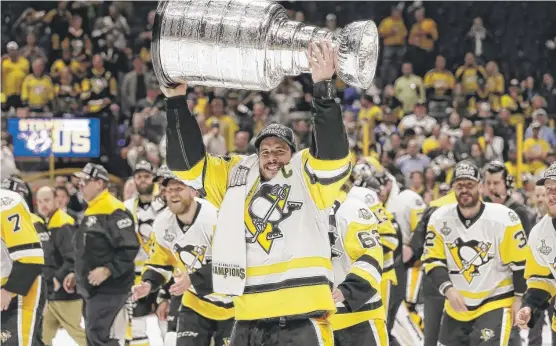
column 480, row 258
column 187, row 248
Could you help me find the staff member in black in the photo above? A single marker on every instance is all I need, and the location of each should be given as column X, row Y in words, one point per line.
column 105, row 247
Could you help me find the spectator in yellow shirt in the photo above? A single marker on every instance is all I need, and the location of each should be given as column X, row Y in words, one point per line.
column 535, row 149
column 369, row 111
column 37, row 91
column 439, row 82
column 14, row 69
column 422, row 37
column 494, row 86
column 228, row 125
column 471, row 75
column 393, row 32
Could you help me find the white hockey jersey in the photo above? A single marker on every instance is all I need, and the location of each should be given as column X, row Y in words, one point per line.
column 540, row 268
column 407, row 207
column 188, row 248
column 144, row 216
column 356, row 262
column 479, row 258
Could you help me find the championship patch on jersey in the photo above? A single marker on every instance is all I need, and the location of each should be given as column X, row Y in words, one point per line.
column 366, row 239
column 445, row 230
column 369, row 199
column 239, row 176
column 544, row 249
column 169, row 237
column 469, row 257
column 123, row 223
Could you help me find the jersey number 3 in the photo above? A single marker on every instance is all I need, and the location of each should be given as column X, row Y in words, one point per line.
column 15, row 220
column 522, row 239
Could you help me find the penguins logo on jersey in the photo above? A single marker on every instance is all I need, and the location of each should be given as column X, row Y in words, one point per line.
column 267, row 209
column 487, row 334
column 469, row 256
column 191, row 256
column 5, row 335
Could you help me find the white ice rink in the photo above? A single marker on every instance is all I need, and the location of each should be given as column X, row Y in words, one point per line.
column 63, row 339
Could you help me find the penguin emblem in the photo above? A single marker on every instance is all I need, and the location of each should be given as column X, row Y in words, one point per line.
column 469, row 256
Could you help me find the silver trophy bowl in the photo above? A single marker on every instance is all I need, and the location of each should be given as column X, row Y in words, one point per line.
column 246, row 44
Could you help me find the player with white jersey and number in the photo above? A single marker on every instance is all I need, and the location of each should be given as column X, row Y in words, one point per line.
column 144, row 207
column 183, row 235
column 474, row 254
column 357, row 264
column 540, row 268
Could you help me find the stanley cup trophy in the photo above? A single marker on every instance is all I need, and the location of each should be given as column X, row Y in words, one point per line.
column 250, row 44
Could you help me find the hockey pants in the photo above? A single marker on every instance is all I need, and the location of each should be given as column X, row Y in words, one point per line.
column 493, row 328
column 197, row 330
column 369, row 333
column 282, row 332
column 21, row 321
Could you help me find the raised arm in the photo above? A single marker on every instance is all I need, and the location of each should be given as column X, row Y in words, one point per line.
column 327, row 163
column 186, row 155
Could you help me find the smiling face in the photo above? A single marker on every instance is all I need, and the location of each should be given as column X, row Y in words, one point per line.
column 467, row 192
column 179, row 197
column 274, row 153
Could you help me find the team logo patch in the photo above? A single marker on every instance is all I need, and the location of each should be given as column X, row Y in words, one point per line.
column 544, row 249
column 123, row 223
column 366, row 239
column 91, row 220
column 267, row 209
column 513, row 216
column 469, row 256
column 445, row 230
column 5, row 335
column 365, row 214
column 192, row 256
column 487, row 334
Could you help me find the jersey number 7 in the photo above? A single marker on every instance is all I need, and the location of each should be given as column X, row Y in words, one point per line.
column 15, row 220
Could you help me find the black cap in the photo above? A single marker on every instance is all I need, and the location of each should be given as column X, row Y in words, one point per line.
column 92, row 171
column 276, row 130
column 16, row 185
column 466, row 170
column 144, row 166
column 550, row 173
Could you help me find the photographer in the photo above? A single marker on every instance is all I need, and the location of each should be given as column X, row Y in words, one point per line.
column 214, row 141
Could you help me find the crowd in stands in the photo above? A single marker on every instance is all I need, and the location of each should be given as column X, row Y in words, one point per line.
column 426, row 110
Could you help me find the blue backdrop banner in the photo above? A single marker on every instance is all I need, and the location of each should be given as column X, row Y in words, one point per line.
column 61, row 137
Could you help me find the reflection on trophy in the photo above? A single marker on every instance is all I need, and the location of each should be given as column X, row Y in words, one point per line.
column 248, row 44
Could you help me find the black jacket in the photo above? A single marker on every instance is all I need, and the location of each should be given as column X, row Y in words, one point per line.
column 106, row 238
column 526, row 216
column 59, row 261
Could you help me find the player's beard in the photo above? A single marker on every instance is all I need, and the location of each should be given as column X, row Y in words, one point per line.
column 468, row 199
column 147, row 190
column 180, row 208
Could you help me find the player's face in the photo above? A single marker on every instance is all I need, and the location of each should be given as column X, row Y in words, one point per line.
column 178, row 197
column 46, row 204
column 540, row 198
column 144, row 182
column 274, row 154
column 495, row 186
column 550, row 188
column 467, row 192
